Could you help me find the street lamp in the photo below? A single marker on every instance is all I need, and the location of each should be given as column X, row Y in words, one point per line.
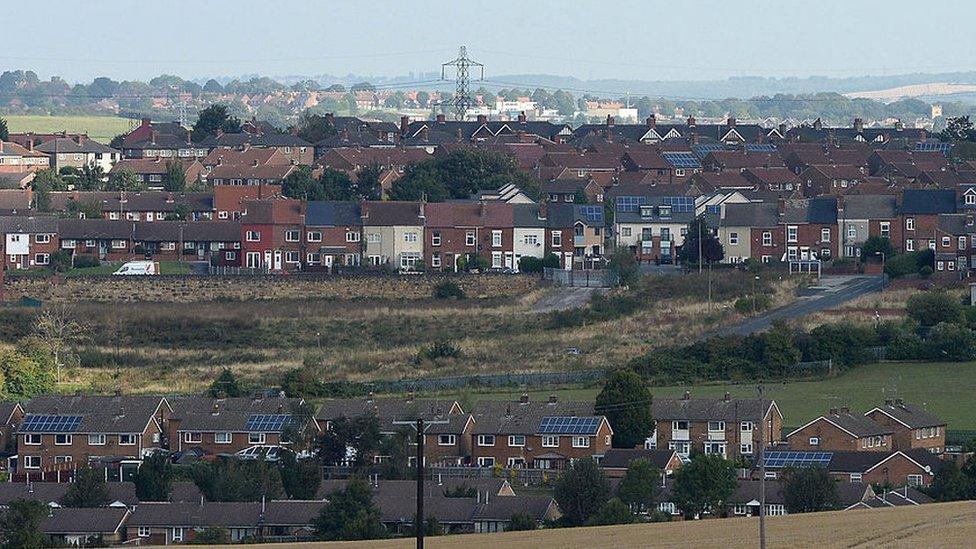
column 882, row 254
column 755, row 279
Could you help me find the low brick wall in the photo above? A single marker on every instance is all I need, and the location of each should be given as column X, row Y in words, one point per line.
column 190, row 289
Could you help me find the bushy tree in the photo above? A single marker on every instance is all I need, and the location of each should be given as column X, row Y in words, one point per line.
column 623, row 264
column 350, row 514
column 4, row 131
column 214, row 118
column 521, row 521
column 711, row 248
column 810, row 489
column 211, row 535
column 300, row 478
column 931, row 308
column 360, row 434
column 225, row 386
column 951, row 484
column 876, row 245
column 26, row 374
column 950, row 341
column 229, row 479
column 704, row 485
column 459, row 174
column 154, row 479
column 581, row 491
column 626, row 401
column 175, row 179
column 20, row 524
column 612, row 512
column 639, row 486
column 87, row 490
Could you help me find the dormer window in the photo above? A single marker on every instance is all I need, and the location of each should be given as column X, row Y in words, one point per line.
column 665, row 211
column 646, row 211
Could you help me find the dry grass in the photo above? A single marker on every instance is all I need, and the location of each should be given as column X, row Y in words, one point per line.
column 935, row 525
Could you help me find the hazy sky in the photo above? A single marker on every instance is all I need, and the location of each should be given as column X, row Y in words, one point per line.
column 649, row 39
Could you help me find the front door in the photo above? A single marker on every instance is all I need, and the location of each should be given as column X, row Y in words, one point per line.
column 277, row 260
column 327, row 262
column 267, row 260
column 102, row 249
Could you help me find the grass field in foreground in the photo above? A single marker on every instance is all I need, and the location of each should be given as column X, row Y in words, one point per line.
column 99, row 128
column 946, row 389
column 935, row 525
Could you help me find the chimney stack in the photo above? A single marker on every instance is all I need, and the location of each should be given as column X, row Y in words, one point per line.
column 731, row 121
column 404, row 125
column 858, row 125
column 691, row 121
column 832, row 411
column 610, row 121
column 817, row 124
column 440, row 118
column 521, row 117
column 728, row 396
column 330, row 119
column 652, row 121
column 146, row 122
column 524, row 399
column 553, row 399
column 782, row 129
column 845, row 410
column 888, row 402
column 781, row 206
column 482, row 119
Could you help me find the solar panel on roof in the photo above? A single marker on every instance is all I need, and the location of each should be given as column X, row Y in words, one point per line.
column 50, row 424
column 682, row 159
column 569, row 425
column 680, row 204
column 593, row 214
column 931, row 146
column 782, row 459
column 266, row 422
column 703, row 149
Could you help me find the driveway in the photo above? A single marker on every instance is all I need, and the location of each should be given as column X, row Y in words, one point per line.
column 830, row 292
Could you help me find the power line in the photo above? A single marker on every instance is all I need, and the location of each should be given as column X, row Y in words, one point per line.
column 222, row 61
column 462, row 98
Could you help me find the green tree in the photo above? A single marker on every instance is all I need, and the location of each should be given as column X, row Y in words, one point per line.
column 875, row 246
column 20, row 524
column 301, row 185
column 711, row 248
column 368, row 185
column 810, row 489
column 314, row 127
column 521, row 521
column 229, row 479
column 175, row 179
column 459, row 174
column 623, row 264
column 60, row 261
column 4, row 131
column 212, row 119
column 24, row 376
column 124, row 180
column 704, row 485
column 612, row 512
column 639, row 486
column 91, row 178
column 950, row 341
column 931, row 308
column 300, row 478
column 225, row 386
column 958, row 129
column 581, row 491
column 626, row 401
column 350, row 514
column 211, row 535
column 951, row 484
column 154, row 479
column 87, row 490
column 423, row 98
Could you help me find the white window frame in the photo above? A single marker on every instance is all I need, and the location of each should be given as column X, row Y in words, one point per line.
column 64, row 438
column 483, row 440
column 435, row 238
column 32, row 462
column 97, row 440
column 496, row 239
column 223, row 438
column 792, row 233
column 446, row 440
column 353, row 236
column 131, row 437
column 514, row 441
column 29, row 439
column 144, row 531
column 581, row 442
column 486, row 461
column 856, row 477
column 256, row 438
column 767, row 238
column 470, row 238
column 909, row 223
column 192, row 437
column 557, row 239
column 825, row 234
column 550, row 441
column 314, row 236
column 293, row 235
column 814, row 441
column 733, row 239
column 252, row 236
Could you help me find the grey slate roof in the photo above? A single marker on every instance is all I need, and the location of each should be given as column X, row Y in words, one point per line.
column 621, row 457
column 227, row 414
column 189, row 515
column 928, row 201
column 514, row 418
column 95, row 520
column 100, row 414
column 708, row 409
column 867, row 206
column 502, row 508
column 392, row 213
column 69, row 145
column 387, row 410
column 909, row 415
column 143, row 201
column 848, row 493
column 28, row 225
column 527, row 216
column 52, row 492
column 859, row 426
column 820, row 210
column 321, row 213
column 752, row 214
column 95, row 229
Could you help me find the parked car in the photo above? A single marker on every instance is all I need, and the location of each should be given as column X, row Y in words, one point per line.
column 138, row 268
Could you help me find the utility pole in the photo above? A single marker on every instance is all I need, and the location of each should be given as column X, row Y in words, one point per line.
column 762, row 471
column 462, row 99
column 421, row 426
column 699, row 223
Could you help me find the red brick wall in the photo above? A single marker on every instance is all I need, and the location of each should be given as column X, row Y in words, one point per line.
column 831, row 439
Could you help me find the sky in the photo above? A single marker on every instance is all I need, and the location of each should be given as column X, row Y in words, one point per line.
column 629, row 39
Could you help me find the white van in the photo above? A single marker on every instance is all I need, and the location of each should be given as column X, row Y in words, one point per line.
column 138, row 268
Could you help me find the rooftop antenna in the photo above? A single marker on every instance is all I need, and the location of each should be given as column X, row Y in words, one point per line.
column 462, row 99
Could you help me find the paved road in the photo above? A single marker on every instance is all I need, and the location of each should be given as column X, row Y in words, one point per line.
column 831, row 292
column 563, row 297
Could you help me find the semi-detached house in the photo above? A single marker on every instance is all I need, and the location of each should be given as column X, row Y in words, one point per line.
column 841, row 430
column 231, row 425
column 28, row 241
column 272, row 234
column 333, row 235
column 394, row 234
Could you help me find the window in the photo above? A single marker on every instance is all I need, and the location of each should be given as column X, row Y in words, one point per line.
column 435, row 259
column 292, row 235
column 791, row 234
column 557, row 239
column 550, row 441
column 496, row 239
column 96, row 440
column 144, row 531
column 716, row 426
column 910, row 245
column 745, row 448
column 446, row 440
column 946, row 241
column 192, row 437
column 486, row 440
column 42, row 259
column 255, row 438
column 516, row 463
column 910, row 224
column 486, row 462
column 253, row 236
column 961, row 243
column 127, row 439
column 470, row 238
column 885, row 227
column 118, row 244
column 62, row 459
column 496, row 259
column 62, row 440
column 740, row 509
column 314, row 236
column 814, row 441
column 682, row 448
column 410, row 237
column 747, row 426
column 970, row 199
column 292, row 257
column 855, row 477
column 767, row 238
column 230, row 256
column 32, row 439
column 222, row 438
column 851, row 231
column 32, row 462
column 353, row 236
column 715, row 448
column 373, row 238
column 625, row 231
column 775, row 510
column 581, row 442
column 914, row 480
column 42, row 238
column 825, row 234
column 435, row 238
column 516, row 440
column 177, row 534
column 734, row 239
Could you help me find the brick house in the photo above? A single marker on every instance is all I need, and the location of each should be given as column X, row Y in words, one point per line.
column 229, row 200
column 953, row 253
column 751, row 230
column 11, row 414
column 74, row 526
column 893, row 468
column 840, row 430
column 105, row 239
column 919, row 217
column 394, row 234
column 28, row 242
column 61, row 433
column 616, row 460
column 333, row 235
column 726, row 426
column 820, row 180
column 272, row 234
column 913, row 426
column 160, row 139
column 862, row 216
column 230, row 425
column 540, row 435
column 165, row 523
column 810, row 228
column 15, row 159
column 457, row 231
column 79, row 152
column 295, row 149
column 137, row 206
column 577, row 229
column 152, row 172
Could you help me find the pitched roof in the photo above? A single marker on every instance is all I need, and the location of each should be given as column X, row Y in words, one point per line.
column 95, row 520
column 747, row 490
column 95, row 229
column 229, row 414
column 52, row 492
column 518, row 418
column 196, row 514
column 820, row 210
column 321, row 213
column 928, row 201
column 392, row 213
column 24, row 224
column 79, row 145
column 709, row 409
column 857, row 425
column 751, row 214
column 388, row 410
column 142, row 201
column 909, row 415
column 622, row 457
column 870, row 206
column 502, row 508
column 284, row 211
column 100, row 414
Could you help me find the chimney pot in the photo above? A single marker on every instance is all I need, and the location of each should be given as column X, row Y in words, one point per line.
column 524, row 399
column 651, row 121
column 440, row 119
column 482, row 119
column 521, row 117
column 833, row 411
column 404, row 125
column 845, row 410
column 553, row 399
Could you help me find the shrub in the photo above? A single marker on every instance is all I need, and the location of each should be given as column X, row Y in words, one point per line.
column 551, row 261
column 85, row 261
column 845, row 343
column 623, row 264
column 948, row 341
column 925, row 271
column 139, row 249
column 931, row 308
column 448, row 289
column 529, row 264
column 757, row 303
column 60, row 261
column 438, row 349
